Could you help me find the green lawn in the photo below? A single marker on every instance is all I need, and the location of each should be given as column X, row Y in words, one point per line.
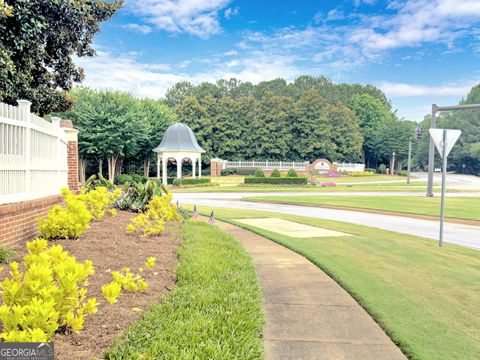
column 342, row 179
column 214, row 312
column 455, row 208
column 381, row 187
column 425, row 297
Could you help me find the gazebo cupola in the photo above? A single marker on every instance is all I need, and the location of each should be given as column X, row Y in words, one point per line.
column 178, row 144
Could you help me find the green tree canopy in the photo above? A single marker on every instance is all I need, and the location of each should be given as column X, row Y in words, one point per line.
column 39, row 38
column 371, row 114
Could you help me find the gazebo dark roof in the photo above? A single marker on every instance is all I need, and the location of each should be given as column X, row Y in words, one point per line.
column 179, row 137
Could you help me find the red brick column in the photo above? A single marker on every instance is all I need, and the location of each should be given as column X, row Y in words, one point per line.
column 72, row 136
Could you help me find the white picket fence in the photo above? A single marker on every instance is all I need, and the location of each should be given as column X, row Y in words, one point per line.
column 33, row 155
column 350, row 167
column 268, row 165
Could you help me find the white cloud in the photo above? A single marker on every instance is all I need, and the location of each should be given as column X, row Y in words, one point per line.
column 415, row 90
column 230, row 53
column 125, row 72
column 144, row 29
column 418, row 22
column 196, row 17
column 230, row 12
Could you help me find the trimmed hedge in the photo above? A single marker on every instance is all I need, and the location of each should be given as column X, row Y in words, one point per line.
column 245, row 170
column 189, row 181
column 302, row 180
column 228, row 171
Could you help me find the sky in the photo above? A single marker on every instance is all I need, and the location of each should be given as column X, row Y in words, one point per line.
column 418, row 52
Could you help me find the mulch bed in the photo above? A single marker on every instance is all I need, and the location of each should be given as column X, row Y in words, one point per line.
column 110, row 248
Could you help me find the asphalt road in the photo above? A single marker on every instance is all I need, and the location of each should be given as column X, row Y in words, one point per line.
column 464, row 235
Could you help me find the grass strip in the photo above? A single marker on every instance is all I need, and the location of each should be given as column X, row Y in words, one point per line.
column 455, row 208
column 214, row 312
column 424, row 297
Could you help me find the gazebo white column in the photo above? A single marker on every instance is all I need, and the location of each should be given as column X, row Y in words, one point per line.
column 199, row 166
column 164, row 169
column 158, row 166
column 193, row 167
column 179, row 168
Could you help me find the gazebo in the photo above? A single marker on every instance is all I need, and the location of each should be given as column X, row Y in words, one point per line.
column 178, row 144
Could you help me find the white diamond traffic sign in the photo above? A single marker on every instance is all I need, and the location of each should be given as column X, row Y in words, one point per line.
column 452, row 137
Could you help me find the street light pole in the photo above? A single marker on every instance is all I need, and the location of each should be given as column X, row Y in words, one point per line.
column 409, row 160
column 431, row 152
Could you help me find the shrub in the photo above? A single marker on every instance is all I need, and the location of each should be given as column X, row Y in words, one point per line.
column 302, row 180
column 328, row 184
column 97, row 201
column 292, row 173
column 191, row 181
column 382, row 169
column 122, row 179
column 95, row 181
column 184, row 213
column 228, row 171
column 177, row 182
column 66, row 223
column 152, row 222
column 49, row 296
column 275, row 173
column 259, row 173
column 403, row 173
column 139, row 178
column 331, row 175
column 361, row 173
column 138, row 195
column 245, row 170
column 6, row 255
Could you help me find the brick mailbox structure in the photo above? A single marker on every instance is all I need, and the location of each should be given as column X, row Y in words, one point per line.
column 30, row 190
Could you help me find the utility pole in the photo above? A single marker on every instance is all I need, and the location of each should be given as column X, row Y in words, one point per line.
column 431, row 149
column 409, row 160
column 392, row 172
column 431, row 152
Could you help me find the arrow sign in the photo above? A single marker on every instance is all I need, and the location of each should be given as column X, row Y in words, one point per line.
column 437, row 136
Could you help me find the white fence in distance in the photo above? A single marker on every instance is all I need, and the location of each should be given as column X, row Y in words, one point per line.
column 268, row 165
column 350, row 167
column 286, row 165
column 33, row 155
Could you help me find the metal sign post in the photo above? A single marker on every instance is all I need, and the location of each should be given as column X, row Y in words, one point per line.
column 444, row 140
column 444, row 172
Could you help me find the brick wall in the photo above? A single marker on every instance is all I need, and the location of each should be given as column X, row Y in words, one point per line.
column 73, row 182
column 18, row 221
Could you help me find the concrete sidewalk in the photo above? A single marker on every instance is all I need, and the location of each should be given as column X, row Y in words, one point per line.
column 308, row 315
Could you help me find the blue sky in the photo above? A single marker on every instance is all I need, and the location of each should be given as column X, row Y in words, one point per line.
column 418, row 52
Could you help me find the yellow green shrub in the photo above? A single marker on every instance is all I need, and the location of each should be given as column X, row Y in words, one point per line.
column 49, row 295
column 66, row 223
column 99, row 200
column 125, row 280
column 152, row 222
column 150, row 263
column 111, row 291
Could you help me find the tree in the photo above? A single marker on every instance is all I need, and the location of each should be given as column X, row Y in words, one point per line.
column 312, row 128
column 110, row 124
column 393, row 136
column 346, row 134
column 271, row 127
column 196, row 115
column 177, row 93
column 157, row 118
column 39, row 39
column 371, row 114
